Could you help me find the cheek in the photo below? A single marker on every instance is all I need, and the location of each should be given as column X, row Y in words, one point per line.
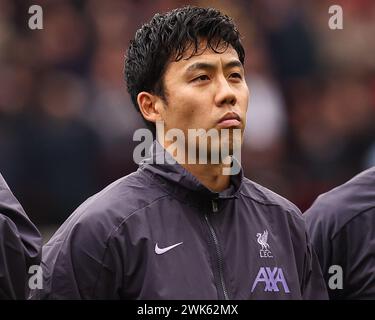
column 189, row 111
column 244, row 99
column 191, row 116
column 180, row 114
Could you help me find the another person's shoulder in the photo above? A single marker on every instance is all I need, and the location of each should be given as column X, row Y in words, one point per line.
column 3, row 184
column 4, row 195
column 4, row 189
column 339, row 206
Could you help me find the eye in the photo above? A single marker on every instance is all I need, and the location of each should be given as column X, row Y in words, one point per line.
column 201, row 78
column 236, row 75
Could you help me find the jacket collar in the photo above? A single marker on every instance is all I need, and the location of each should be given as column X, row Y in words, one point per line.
column 178, row 181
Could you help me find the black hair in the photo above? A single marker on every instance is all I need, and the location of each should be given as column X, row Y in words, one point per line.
column 168, row 36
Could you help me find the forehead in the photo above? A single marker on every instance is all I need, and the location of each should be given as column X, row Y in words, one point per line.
column 204, row 54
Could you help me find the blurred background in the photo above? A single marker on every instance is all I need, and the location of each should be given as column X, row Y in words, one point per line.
column 66, row 120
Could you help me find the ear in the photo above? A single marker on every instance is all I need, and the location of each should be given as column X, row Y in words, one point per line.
column 150, row 106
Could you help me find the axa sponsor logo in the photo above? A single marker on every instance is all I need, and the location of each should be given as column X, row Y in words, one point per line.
column 272, row 279
column 262, row 239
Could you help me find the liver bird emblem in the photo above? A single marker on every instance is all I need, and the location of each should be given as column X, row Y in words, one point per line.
column 262, row 240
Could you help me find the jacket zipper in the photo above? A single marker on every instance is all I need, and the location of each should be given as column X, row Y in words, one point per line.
column 218, row 252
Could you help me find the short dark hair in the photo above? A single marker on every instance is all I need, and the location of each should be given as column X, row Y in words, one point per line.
column 168, row 36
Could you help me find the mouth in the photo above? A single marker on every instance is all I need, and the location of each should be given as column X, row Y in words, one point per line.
column 230, row 119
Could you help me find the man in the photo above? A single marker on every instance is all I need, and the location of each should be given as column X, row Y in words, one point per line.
column 341, row 223
column 184, row 230
column 20, row 246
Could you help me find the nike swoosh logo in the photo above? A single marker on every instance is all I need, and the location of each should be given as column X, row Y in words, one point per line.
column 164, row 250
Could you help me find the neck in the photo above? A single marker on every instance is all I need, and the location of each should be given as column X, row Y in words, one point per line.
column 210, row 175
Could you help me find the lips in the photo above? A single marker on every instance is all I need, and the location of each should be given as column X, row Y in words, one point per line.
column 230, row 119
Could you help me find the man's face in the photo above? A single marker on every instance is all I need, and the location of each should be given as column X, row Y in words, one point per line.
column 204, row 89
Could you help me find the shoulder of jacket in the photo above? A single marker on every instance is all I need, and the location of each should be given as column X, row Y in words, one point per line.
column 266, row 197
column 109, row 208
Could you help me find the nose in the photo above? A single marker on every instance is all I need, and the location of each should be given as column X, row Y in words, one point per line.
column 225, row 94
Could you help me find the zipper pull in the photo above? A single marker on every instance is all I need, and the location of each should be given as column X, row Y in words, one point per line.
column 214, row 206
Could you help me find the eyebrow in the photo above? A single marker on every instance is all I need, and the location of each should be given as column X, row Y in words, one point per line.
column 209, row 66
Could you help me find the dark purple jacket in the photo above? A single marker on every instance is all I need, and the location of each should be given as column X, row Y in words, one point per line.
column 342, row 227
column 160, row 234
column 20, row 246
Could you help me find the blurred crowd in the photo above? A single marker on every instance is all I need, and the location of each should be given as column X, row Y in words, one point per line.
column 67, row 123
